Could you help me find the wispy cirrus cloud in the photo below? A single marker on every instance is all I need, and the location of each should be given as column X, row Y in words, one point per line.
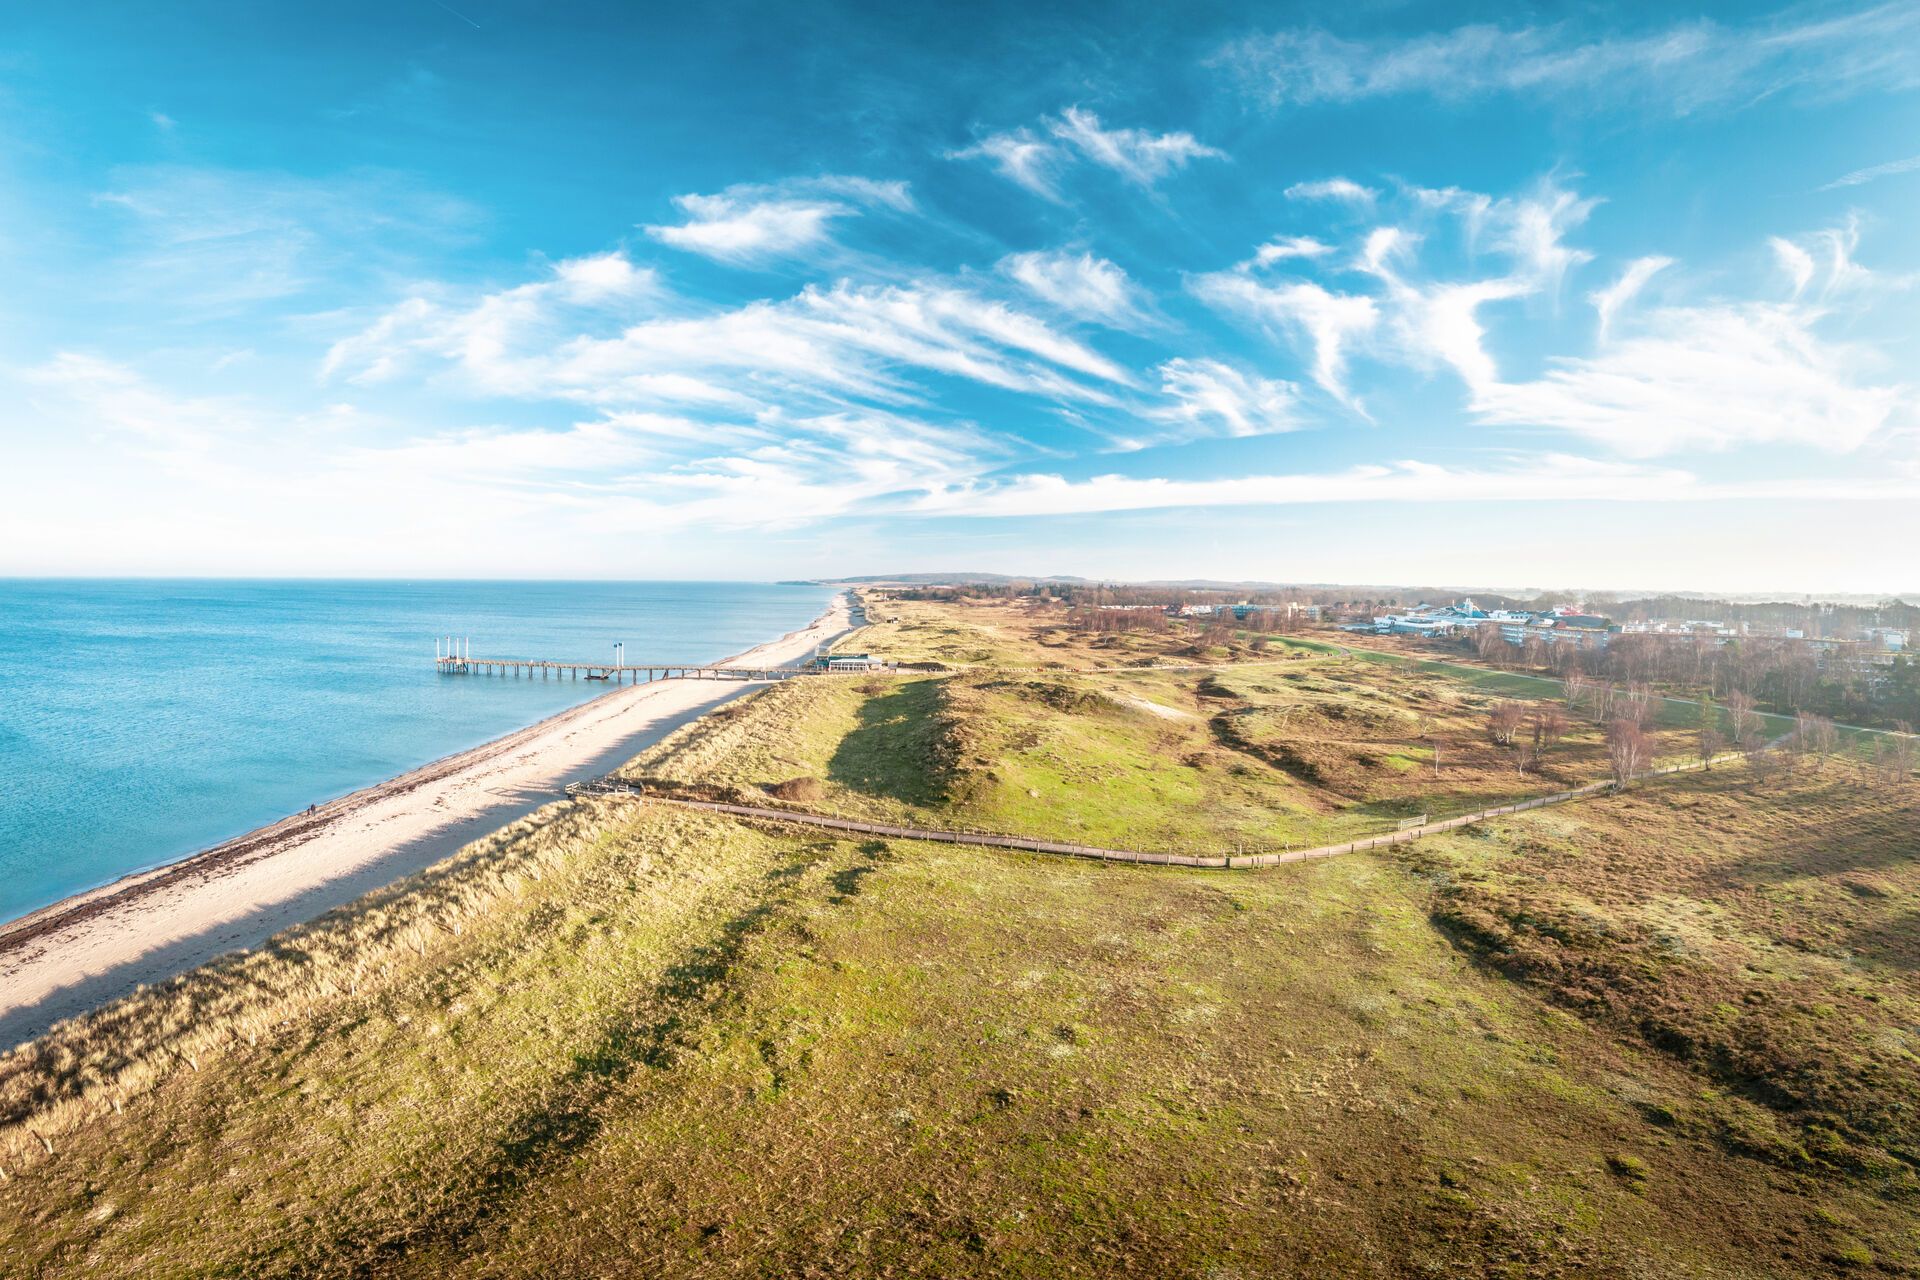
column 1027, row 158
column 1079, row 284
column 638, row 472
column 1665, row 379
column 1683, row 67
column 1328, row 322
column 485, row 335
column 1282, row 248
column 1795, row 261
column 1134, row 154
column 1616, row 297
column 1211, row 397
column 735, row 230
column 1709, row 377
column 1340, row 189
column 1548, row 478
column 220, row 240
column 116, row 400
column 868, row 341
column 1022, row 158
column 757, row 222
column 1873, row 173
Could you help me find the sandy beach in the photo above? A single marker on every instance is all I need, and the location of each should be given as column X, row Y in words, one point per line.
column 93, row 947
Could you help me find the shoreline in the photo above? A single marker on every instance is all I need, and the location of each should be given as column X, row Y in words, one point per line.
column 93, row 946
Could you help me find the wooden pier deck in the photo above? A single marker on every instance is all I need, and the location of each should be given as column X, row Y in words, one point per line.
column 612, row 673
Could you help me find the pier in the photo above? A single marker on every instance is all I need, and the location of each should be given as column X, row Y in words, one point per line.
column 454, row 657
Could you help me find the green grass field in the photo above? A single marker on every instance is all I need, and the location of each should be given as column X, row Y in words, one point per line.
column 1666, row 1033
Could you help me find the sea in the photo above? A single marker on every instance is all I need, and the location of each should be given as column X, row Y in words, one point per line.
column 144, row 720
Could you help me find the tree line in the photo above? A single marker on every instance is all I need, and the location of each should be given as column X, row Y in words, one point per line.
column 1783, row 676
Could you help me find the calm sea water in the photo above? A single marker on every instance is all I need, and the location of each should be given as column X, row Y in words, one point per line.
column 142, row 720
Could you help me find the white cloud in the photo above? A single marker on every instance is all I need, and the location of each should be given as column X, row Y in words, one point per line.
column 1213, row 398
column 1142, row 157
column 1329, row 321
column 1683, row 68
column 1716, row 376
column 1443, row 321
column 1077, row 283
column 891, row 194
column 1704, row 378
column 1873, row 173
column 1828, row 255
column 1795, row 261
column 758, row 222
column 603, row 275
column 541, row 340
column 220, row 240
column 745, row 231
column 1611, row 300
column 1345, row 190
column 953, row 331
column 1547, row 478
column 1843, row 273
column 105, row 397
column 1381, row 245
column 486, row 336
column 1282, row 248
column 1532, row 232
column 1021, row 158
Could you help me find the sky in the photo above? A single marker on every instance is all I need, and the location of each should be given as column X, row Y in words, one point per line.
column 1561, row 296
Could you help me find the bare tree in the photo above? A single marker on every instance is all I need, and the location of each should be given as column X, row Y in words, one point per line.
column 1547, row 725
column 1503, row 720
column 1550, row 723
column 1489, row 643
column 1579, row 689
column 1604, row 698
column 1763, row 762
column 1815, row 736
column 1746, row 721
column 1638, row 703
column 1535, row 651
column 1893, row 755
column 1709, row 741
column 1629, row 751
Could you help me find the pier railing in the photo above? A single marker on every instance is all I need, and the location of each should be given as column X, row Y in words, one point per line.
column 632, row 672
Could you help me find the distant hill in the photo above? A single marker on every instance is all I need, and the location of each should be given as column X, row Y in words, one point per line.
column 1484, row 593
column 938, row 579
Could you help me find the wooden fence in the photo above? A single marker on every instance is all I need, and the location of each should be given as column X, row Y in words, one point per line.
column 1235, row 861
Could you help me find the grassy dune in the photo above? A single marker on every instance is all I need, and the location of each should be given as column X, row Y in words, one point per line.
column 1665, row 1033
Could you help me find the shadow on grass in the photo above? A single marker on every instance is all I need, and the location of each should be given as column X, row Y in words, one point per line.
column 1821, row 838
column 901, row 749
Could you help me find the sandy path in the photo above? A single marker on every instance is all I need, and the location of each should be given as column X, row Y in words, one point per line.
column 96, row 946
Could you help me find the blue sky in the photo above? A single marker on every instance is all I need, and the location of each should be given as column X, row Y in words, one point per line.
column 1364, row 292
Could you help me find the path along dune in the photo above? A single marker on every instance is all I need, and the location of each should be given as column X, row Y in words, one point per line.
column 96, row 946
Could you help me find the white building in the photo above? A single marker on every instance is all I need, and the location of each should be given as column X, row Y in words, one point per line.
column 1892, row 639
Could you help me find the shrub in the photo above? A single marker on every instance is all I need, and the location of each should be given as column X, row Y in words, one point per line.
column 799, row 790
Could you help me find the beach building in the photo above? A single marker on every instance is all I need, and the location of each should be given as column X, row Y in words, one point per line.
column 845, row 662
